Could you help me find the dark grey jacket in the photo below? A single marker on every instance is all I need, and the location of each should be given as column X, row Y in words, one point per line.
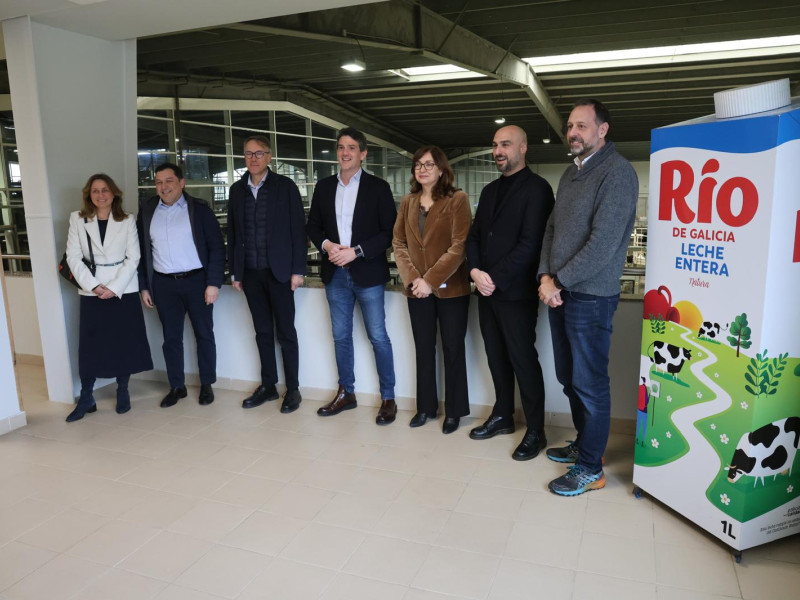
column 587, row 236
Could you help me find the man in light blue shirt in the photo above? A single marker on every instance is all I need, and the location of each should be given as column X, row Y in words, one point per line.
column 180, row 273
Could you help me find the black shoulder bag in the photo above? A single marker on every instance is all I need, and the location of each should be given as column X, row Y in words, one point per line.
column 63, row 266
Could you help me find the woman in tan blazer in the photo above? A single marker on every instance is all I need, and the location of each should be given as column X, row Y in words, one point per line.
column 432, row 225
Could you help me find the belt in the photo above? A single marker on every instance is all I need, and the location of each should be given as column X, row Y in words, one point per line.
column 183, row 275
column 119, row 262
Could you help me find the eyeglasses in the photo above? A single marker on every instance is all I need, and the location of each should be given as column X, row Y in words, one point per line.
column 428, row 166
column 259, row 154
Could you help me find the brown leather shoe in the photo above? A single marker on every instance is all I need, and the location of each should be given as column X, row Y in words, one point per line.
column 387, row 412
column 342, row 401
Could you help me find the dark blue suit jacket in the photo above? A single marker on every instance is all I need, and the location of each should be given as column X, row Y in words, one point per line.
column 373, row 222
column 207, row 239
column 288, row 246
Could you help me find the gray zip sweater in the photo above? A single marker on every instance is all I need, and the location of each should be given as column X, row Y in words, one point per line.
column 587, row 235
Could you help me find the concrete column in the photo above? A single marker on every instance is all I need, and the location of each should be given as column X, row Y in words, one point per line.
column 11, row 417
column 74, row 103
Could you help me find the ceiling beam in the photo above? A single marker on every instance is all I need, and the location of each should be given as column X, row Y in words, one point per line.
column 407, row 26
column 155, row 83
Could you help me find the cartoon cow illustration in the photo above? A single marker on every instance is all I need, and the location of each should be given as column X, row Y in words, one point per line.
column 710, row 330
column 669, row 358
column 768, row 450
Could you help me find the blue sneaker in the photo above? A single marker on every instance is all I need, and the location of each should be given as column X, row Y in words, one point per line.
column 577, row 480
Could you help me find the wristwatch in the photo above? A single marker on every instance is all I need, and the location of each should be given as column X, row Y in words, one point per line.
column 359, row 251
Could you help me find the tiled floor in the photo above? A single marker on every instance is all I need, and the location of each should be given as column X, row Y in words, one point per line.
column 203, row 503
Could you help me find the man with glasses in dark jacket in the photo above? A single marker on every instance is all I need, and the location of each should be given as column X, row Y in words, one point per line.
column 267, row 257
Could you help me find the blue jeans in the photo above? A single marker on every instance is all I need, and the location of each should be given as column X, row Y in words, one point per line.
column 342, row 294
column 581, row 330
column 641, row 425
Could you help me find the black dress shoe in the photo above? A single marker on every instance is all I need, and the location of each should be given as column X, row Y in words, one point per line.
column 291, row 401
column 343, row 400
column 532, row 443
column 172, row 398
column 492, row 427
column 450, row 424
column 262, row 394
column 419, row 419
column 206, row 394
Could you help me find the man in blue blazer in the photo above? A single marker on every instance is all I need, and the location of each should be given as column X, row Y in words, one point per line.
column 350, row 222
column 267, row 251
column 181, row 271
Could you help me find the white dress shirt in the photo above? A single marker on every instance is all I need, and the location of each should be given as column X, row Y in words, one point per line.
column 345, row 206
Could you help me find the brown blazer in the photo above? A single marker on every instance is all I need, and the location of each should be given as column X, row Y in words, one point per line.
column 438, row 255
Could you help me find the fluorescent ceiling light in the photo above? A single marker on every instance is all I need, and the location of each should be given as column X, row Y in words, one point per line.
column 434, row 70
column 354, row 65
column 500, row 120
column 434, row 73
column 667, row 54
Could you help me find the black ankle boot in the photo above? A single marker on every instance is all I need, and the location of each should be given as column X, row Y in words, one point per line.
column 85, row 403
column 123, row 397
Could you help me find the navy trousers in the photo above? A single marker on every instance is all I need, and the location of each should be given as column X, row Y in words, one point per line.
column 174, row 299
column 271, row 301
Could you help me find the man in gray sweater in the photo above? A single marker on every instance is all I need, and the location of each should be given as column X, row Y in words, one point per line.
column 583, row 254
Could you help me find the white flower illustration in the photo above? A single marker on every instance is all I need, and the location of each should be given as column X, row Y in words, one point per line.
column 716, row 375
column 699, row 395
column 654, row 443
column 713, row 426
column 669, row 434
column 724, row 439
column 790, row 489
column 669, row 398
column 743, row 405
column 724, row 499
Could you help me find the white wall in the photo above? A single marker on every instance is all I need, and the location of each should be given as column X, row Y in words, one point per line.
column 238, row 365
column 237, row 356
column 24, row 318
column 10, row 415
column 74, row 103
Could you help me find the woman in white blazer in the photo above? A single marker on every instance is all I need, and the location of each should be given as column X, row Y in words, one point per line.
column 113, row 340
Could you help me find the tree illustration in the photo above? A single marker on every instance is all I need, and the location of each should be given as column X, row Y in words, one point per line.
column 740, row 333
column 657, row 324
column 763, row 373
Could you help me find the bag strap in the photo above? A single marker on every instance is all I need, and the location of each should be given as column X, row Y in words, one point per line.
column 89, row 241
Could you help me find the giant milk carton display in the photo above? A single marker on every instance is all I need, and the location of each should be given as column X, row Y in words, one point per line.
column 718, row 420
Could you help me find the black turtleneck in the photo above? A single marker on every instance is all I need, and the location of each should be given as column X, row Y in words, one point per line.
column 505, row 184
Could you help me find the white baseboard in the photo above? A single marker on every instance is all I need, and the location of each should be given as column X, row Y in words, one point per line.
column 478, row 411
column 13, row 422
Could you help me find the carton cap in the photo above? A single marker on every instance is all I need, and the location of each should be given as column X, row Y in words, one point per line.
column 752, row 99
